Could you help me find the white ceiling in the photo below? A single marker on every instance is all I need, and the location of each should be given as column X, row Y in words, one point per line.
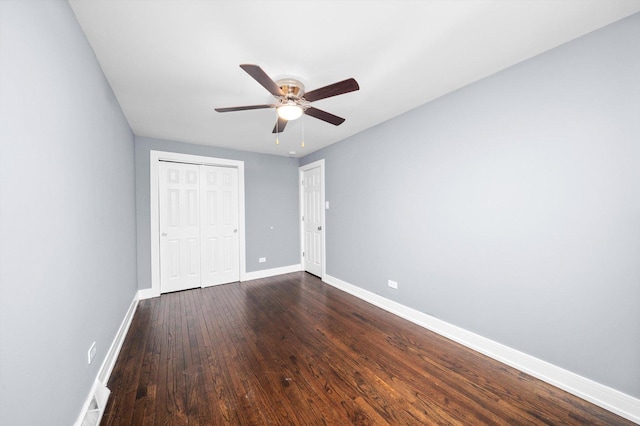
column 171, row 62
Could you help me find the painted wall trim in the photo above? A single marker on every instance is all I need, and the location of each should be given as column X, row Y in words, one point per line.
column 301, row 170
column 154, row 158
column 99, row 390
column 93, row 408
column 610, row 399
column 112, row 355
column 148, row 293
column 266, row 273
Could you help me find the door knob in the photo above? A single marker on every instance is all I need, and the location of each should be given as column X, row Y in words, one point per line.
column 319, row 228
column 235, row 230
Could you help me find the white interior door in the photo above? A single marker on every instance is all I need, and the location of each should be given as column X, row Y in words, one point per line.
column 220, row 248
column 179, row 188
column 312, row 220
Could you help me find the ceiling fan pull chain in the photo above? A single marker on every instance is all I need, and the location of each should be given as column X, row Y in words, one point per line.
column 277, row 130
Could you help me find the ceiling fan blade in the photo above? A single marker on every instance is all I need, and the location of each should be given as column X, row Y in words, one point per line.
column 345, row 86
column 324, row 116
column 244, row 108
column 261, row 77
column 280, row 125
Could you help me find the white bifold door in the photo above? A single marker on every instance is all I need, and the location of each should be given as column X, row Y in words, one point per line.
column 198, row 209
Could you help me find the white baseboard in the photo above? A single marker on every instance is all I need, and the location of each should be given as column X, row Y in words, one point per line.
column 148, row 293
column 266, row 273
column 93, row 410
column 610, row 399
column 116, row 345
column 95, row 403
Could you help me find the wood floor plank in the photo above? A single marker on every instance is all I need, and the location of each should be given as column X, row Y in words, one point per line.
column 279, row 362
column 126, row 374
column 150, row 386
column 290, row 350
column 161, row 332
column 143, row 381
column 176, row 386
column 370, row 366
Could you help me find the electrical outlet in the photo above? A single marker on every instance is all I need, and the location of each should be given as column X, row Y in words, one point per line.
column 393, row 284
column 262, row 259
column 91, row 353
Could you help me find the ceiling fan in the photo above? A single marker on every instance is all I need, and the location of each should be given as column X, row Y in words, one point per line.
column 291, row 99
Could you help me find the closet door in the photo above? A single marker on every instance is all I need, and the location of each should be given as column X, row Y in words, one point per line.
column 180, row 240
column 219, row 229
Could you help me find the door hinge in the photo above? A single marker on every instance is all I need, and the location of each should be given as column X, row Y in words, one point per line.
column 302, row 254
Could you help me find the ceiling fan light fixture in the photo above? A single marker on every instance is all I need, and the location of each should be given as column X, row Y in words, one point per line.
column 292, row 101
column 290, row 112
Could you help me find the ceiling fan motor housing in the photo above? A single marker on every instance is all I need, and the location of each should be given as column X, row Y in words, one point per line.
column 293, row 89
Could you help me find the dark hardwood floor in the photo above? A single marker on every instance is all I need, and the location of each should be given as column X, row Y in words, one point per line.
column 291, row 350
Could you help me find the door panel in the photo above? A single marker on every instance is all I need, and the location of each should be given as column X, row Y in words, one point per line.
column 211, row 254
column 221, row 264
column 179, row 226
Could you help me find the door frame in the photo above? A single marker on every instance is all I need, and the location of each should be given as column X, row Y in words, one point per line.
column 301, row 170
column 154, row 158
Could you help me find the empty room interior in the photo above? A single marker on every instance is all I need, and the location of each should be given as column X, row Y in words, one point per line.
column 446, row 231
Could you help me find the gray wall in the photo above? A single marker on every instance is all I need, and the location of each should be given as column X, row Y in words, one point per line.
column 510, row 208
column 67, row 214
column 271, row 200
